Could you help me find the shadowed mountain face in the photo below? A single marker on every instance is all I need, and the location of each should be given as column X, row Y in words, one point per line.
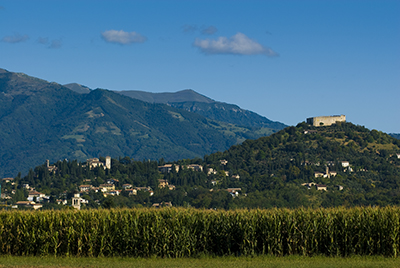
column 192, row 101
column 78, row 88
column 41, row 120
column 180, row 96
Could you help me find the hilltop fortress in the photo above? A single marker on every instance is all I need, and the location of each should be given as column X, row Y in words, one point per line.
column 325, row 120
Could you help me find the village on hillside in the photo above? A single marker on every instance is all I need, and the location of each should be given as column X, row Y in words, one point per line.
column 112, row 187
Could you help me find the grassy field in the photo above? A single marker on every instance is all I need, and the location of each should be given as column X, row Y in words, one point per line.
column 232, row 262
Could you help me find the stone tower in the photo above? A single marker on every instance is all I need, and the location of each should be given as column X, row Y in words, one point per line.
column 108, row 162
column 76, row 201
column 325, row 120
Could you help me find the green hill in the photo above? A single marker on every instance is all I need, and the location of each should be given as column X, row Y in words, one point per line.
column 275, row 168
column 302, row 166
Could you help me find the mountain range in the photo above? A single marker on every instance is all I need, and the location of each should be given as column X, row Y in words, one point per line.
column 41, row 120
column 192, row 101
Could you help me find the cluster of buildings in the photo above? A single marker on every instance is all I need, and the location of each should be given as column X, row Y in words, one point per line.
column 327, row 174
column 167, row 168
column 34, row 200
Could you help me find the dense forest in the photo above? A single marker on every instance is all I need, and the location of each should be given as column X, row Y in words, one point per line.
column 303, row 166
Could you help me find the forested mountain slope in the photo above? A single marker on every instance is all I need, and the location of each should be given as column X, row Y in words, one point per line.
column 41, row 120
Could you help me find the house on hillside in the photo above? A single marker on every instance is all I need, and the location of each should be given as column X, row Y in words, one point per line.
column 126, row 186
column 107, row 187
column 146, row 189
column 167, row 168
column 211, row 171
column 114, row 192
column 321, row 187
column 61, row 201
column 234, row 191
column 30, row 204
column 195, row 167
column 345, row 164
column 131, row 192
column 113, row 181
column 309, row 131
column 36, row 196
column 5, row 196
column 162, row 183
column 171, row 187
column 327, row 173
column 85, row 187
column 162, row 204
column 308, row 184
column 7, row 180
column 26, row 186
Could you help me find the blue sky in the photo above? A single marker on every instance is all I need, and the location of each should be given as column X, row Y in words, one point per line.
column 286, row 60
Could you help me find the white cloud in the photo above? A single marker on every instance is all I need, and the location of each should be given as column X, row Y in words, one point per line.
column 239, row 44
column 16, row 38
column 122, row 37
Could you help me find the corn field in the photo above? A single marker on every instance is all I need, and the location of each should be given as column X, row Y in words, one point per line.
column 190, row 232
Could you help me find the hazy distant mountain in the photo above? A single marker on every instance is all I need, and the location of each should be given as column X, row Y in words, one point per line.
column 180, row 96
column 41, row 120
column 395, row 135
column 194, row 102
column 78, row 88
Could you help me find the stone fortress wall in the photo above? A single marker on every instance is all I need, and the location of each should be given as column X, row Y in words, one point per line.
column 326, row 120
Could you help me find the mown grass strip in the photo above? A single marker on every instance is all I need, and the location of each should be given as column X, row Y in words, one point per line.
column 204, row 262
